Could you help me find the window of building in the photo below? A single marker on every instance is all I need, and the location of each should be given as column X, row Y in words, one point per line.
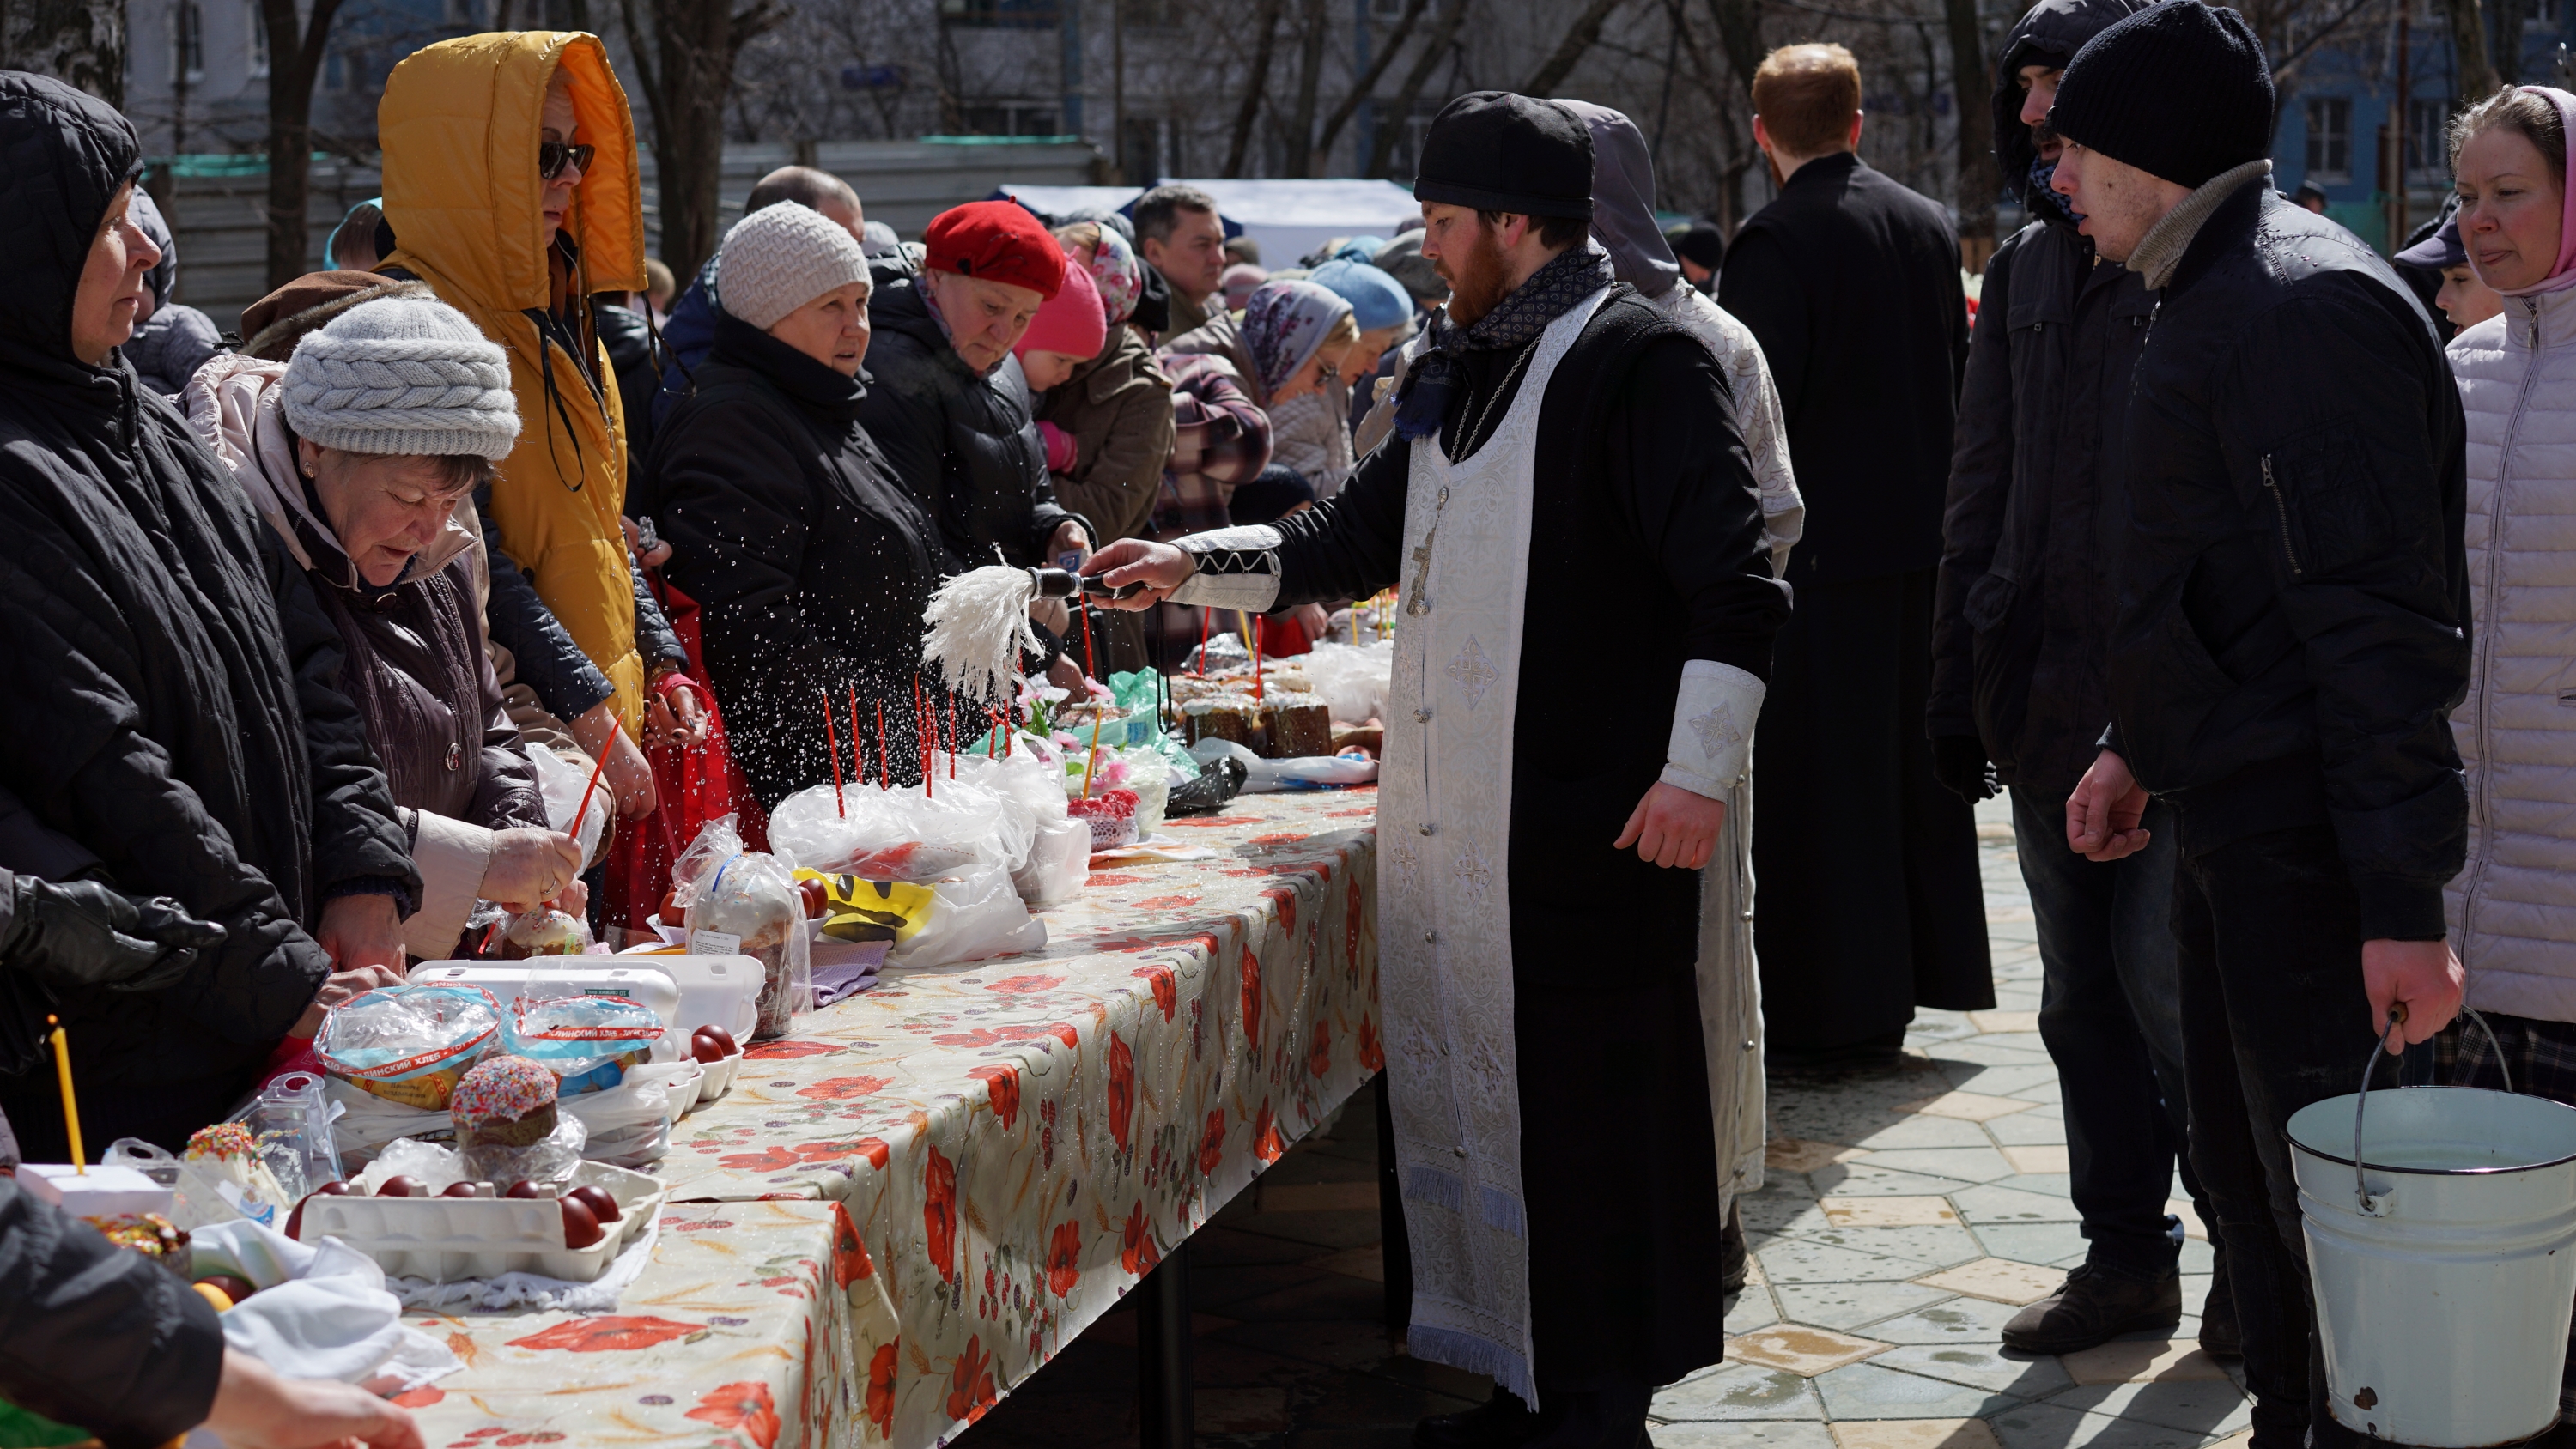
column 2329, row 138
column 1010, row 118
column 335, row 72
column 1140, row 150
column 2540, row 15
column 188, row 40
column 2428, row 149
column 256, row 28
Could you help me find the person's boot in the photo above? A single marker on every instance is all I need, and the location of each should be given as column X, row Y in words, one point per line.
column 2220, row 1336
column 1731, row 1254
column 1501, row 1422
column 2095, row 1307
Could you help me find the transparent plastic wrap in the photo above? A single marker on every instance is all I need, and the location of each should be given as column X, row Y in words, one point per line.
column 543, row 933
column 548, row 1161
column 199, row 1197
column 588, row 1042
column 561, row 783
column 749, row 906
column 1353, row 680
column 1058, row 864
column 972, row 916
column 408, row 1044
column 905, row 834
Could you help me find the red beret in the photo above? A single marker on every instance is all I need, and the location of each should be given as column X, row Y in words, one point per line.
column 999, row 241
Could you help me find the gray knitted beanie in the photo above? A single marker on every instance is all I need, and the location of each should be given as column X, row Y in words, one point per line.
column 406, row 375
column 781, row 257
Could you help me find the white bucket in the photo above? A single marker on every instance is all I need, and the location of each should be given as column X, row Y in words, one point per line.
column 2445, row 1269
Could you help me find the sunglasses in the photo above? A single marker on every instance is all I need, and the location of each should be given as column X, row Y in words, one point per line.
column 554, row 156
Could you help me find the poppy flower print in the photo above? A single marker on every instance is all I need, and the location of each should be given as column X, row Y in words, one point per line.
column 1136, row 1251
column 939, row 1213
column 1166, row 989
column 844, row 1089
column 1265, row 1135
column 880, row 1401
column 970, row 1383
column 849, row 1255
column 1064, row 1259
column 744, row 1406
column 1319, row 1057
column 1003, row 1085
column 1122, row 1089
column 1212, row 1144
column 606, row 1335
column 1251, row 998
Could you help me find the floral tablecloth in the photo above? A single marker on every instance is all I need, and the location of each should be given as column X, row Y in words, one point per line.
column 925, row 1192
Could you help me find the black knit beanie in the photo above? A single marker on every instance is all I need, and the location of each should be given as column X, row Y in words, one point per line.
column 2179, row 90
column 1497, row 151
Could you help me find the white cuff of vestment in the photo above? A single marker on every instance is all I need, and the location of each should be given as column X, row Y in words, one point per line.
column 1712, row 728
column 1236, row 568
column 451, row 856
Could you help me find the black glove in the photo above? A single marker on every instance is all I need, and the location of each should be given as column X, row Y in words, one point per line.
column 1959, row 762
column 83, row 933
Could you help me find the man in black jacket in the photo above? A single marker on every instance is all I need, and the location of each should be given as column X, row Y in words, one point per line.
column 174, row 702
column 2288, row 640
column 2018, row 660
column 1868, row 901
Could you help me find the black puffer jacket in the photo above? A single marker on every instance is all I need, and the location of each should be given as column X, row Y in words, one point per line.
column 2023, row 607
column 966, row 445
column 97, row 1337
column 810, row 563
column 2292, row 626
column 173, row 683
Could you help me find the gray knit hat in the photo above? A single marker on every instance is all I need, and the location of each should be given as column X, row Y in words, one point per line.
column 405, row 375
column 781, row 257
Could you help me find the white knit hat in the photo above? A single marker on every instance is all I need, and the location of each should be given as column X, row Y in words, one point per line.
column 406, row 375
column 781, row 257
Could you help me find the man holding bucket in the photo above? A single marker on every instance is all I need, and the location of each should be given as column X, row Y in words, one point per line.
column 2284, row 552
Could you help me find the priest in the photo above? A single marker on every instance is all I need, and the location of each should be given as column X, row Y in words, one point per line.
column 1587, row 609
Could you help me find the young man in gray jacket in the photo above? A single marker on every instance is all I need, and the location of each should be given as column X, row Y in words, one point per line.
column 2019, row 692
column 2289, row 635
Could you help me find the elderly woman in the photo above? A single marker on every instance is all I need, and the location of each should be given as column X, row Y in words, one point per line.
column 1312, row 434
column 1292, row 342
column 361, row 484
column 171, row 707
column 811, row 563
column 1106, row 415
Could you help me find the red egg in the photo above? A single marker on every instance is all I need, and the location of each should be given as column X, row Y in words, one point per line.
column 707, row 1049
column 817, row 896
column 333, row 1188
column 581, row 1225
column 602, row 1205
column 723, row 1038
column 295, row 1221
column 525, row 1190
column 400, row 1187
column 458, row 1189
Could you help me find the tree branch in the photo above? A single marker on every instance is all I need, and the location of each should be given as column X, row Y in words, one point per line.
column 1245, row 114
column 2318, row 37
column 1579, row 37
column 1361, row 88
column 1452, row 15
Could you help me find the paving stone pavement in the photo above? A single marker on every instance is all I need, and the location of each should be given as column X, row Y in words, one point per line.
column 1908, row 1214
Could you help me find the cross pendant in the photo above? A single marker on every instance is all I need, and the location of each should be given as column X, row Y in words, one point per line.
column 1417, row 599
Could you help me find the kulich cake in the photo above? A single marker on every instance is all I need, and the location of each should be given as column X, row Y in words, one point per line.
column 150, row 1234
column 1229, row 716
column 229, row 1152
column 504, row 1102
column 1298, row 724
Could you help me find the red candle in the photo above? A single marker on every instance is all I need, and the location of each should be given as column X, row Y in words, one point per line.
column 858, row 750
column 1256, row 657
column 1204, row 611
column 885, row 757
column 952, row 737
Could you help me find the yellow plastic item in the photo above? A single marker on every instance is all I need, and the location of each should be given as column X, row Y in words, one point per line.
column 223, row 1301
column 870, row 910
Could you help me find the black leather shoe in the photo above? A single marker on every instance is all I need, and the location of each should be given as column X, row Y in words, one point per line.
column 2093, row 1308
column 2220, row 1335
column 1730, row 1251
column 1501, row 1422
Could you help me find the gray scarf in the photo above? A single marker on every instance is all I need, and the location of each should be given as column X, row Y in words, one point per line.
column 1433, row 380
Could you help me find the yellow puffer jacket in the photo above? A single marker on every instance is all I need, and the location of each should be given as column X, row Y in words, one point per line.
column 459, row 124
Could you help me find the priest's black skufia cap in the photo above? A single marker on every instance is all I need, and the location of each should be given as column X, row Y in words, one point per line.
column 1496, row 151
column 2179, row 90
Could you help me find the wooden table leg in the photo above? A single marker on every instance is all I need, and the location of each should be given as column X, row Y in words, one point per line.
column 1164, row 1417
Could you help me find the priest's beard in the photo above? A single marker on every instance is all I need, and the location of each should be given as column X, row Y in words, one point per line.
column 1478, row 281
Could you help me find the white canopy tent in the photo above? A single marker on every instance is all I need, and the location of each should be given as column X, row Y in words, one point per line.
column 1287, row 218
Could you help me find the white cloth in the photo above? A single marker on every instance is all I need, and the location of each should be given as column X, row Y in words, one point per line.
column 2512, row 909
column 1445, row 938
column 322, row 1310
column 535, row 1290
column 1712, row 737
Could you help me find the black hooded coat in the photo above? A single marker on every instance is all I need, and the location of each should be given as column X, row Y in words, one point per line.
column 2023, row 606
column 174, row 704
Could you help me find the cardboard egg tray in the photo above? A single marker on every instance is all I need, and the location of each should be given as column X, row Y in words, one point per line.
column 719, row 1078
column 443, row 1239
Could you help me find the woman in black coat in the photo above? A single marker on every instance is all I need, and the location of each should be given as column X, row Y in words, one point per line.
column 810, row 564
column 173, row 702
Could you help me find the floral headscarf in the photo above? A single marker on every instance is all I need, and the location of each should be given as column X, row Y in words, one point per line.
column 1117, row 273
column 1284, row 325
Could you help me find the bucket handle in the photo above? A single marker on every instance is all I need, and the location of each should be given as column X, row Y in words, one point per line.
column 2361, row 1099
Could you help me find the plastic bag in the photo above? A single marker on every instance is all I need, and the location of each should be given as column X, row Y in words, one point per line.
column 561, row 783
column 408, row 1044
column 1353, row 679
column 630, row 1125
column 973, row 916
column 1058, row 864
column 835, row 831
column 750, row 907
column 588, row 1042
column 198, row 1197
column 363, row 1125
column 543, row 933
column 550, row 1160
column 1306, row 772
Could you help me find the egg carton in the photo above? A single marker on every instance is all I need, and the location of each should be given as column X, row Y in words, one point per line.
column 443, row 1239
column 719, row 1078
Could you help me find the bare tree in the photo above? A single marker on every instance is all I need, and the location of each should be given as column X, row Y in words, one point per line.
column 78, row 42
column 1266, row 26
column 1453, row 14
column 1366, row 85
column 1310, row 76
column 2476, row 73
column 1979, row 181
column 294, row 60
column 685, row 75
column 1579, row 37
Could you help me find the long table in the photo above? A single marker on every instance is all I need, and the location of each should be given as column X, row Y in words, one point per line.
column 908, row 1205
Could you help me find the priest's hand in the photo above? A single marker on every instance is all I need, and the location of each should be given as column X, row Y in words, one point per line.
column 2102, row 815
column 1673, row 827
column 1160, row 567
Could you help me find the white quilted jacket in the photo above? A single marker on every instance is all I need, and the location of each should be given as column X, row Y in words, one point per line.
column 2513, row 909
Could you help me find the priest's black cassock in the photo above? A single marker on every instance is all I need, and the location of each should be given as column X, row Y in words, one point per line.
column 1645, row 556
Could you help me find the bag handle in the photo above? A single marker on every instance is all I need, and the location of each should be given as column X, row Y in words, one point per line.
column 2361, row 1099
